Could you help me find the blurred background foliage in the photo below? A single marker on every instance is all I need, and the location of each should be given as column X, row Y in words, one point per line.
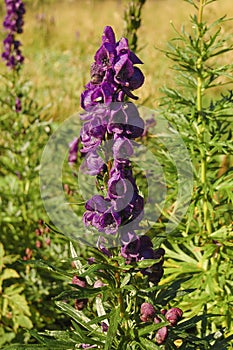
column 58, row 57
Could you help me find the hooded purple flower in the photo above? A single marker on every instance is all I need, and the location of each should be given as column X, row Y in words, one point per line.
column 101, row 215
column 125, row 120
column 93, row 164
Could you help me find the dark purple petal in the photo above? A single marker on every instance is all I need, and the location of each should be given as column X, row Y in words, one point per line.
column 97, row 203
column 122, row 47
column 136, row 80
column 124, row 70
column 108, row 35
column 134, row 59
column 122, row 148
column 93, row 164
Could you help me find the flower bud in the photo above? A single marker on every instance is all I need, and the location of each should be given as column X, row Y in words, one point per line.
column 81, row 282
column 147, row 312
column 173, row 315
column 161, row 335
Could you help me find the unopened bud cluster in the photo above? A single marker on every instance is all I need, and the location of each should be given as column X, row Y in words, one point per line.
column 150, row 314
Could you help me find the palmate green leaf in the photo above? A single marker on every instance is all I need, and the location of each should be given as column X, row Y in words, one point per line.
column 114, row 321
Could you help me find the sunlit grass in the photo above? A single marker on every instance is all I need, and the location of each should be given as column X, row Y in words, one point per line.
column 61, row 37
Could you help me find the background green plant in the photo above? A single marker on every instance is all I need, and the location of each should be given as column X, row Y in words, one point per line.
column 202, row 244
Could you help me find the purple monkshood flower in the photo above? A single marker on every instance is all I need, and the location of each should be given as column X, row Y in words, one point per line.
column 101, row 215
column 13, row 23
column 125, row 120
column 140, row 248
column 113, row 74
column 93, row 164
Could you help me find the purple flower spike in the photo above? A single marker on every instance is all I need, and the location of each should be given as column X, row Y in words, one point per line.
column 18, row 106
column 13, row 23
column 113, row 74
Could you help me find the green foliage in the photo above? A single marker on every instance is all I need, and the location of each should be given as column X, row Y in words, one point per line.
column 23, row 136
column 14, row 308
column 132, row 18
column 201, row 246
column 117, row 303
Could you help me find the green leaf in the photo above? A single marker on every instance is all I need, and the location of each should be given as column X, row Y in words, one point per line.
column 151, row 328
column 9, row 273
column 115, row 319
column 148, row 344
column 80, row 293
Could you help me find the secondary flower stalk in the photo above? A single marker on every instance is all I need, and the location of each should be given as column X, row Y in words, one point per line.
column 13, row 24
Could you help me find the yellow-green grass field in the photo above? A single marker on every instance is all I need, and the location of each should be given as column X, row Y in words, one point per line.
column 61, row 37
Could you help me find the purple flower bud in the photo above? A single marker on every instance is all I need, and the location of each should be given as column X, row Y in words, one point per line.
column 81, row 282
column 13, row 23
column 104, row 326
column 173, row 315
column 80, row 304
column 161, row 335
column 18, row 106
column 73, row 149
column 98, row 284
column 157, row 319
column 147, row 312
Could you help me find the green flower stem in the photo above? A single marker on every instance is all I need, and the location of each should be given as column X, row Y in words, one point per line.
column 201, row 121
column 119, row 296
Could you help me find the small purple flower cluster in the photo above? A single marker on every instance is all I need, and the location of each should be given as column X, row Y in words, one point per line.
column 113, row 74
column 149, row 314
column 13, row 23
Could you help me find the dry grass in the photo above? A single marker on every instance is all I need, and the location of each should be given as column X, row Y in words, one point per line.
column 61, row 38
